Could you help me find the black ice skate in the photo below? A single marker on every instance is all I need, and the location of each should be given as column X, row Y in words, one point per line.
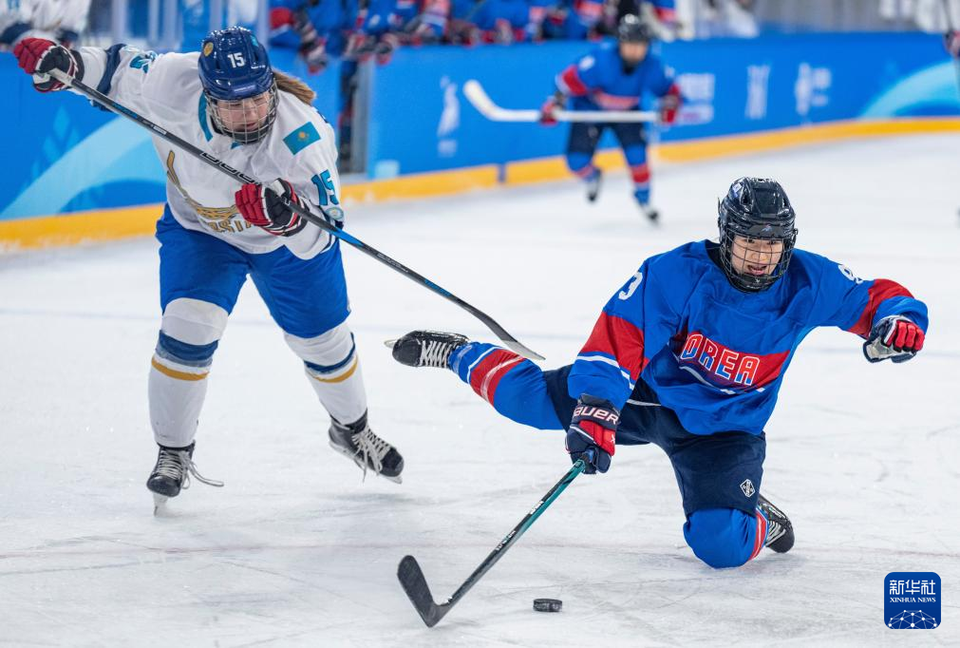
column 172, row 474
column 779, row 531
column 650, row 212
column 593, row 186
column 358, row 442
column 426, row 348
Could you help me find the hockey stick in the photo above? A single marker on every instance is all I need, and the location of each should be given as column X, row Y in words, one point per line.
column 99, row 98
column 484, row 104
column 415, row 584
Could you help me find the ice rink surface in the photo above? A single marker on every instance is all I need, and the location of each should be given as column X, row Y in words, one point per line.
column 296, row 551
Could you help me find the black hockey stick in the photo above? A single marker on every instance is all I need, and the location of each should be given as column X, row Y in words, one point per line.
column 415, row 585
column 99, row 98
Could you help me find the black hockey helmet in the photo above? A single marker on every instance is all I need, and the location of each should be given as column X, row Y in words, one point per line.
column 756, row 208
column 633, row 30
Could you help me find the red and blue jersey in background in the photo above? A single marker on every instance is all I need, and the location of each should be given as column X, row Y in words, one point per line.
column 599, row 80
column 716, row 355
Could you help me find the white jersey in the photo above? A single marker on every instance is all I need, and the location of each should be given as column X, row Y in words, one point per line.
column 299, row 148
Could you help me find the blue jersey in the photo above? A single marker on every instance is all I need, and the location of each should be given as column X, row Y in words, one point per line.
column 716, row 355
column 599, row 80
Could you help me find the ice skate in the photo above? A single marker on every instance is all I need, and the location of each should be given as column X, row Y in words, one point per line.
column 780, row 531
column 426, row 348
column 172, row 474
column 358, row 442
column 652, row 213
column 593, row 186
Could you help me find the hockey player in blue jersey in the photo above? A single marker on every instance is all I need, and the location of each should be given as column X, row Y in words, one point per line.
column 689, row 355
column 614, row 77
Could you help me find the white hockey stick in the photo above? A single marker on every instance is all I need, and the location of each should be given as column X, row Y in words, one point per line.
column 482, row 102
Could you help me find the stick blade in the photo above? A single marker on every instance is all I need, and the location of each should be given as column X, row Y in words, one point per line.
column 521, row 349
column 485, row 106
column 415, row 585
column 479, row 98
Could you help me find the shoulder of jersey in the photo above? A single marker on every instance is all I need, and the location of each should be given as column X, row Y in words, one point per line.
column 172, row 77
column 694, row 252
column 174, row 70
column 688, row 259
column 808, row 263
column 606, row 50
column 176, row 64
column 300, row 126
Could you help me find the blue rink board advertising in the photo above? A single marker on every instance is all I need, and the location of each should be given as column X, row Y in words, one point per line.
column 71, row 157
column 421, row 120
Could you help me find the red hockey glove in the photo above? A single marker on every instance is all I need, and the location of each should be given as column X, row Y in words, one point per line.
column 260, row 205
column 894, row 337
column 549, row 109
column 37, row 56
column 670, row 105
column 592, row 433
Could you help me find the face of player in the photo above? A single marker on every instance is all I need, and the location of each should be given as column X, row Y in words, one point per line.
column 246, row 115
column 633, row 53
column 756, row 257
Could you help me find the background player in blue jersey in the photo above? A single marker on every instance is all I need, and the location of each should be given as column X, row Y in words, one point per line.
column 689, row 355
column 614, row 77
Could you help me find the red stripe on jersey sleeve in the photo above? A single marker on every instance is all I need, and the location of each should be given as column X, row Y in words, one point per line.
column 881, row 290
column 617, row 337
column 571, row 78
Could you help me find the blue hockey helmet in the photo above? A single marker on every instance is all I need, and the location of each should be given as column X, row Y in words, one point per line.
column 239, row 84
column 755, row 209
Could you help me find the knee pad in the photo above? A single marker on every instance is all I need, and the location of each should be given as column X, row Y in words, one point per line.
column 193, row 321
column 723, row 537
column 579, row 163
column 189, row 334
column 328, row 357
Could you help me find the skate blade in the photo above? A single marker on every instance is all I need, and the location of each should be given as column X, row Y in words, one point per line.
column 159, row 504
column 349, row 455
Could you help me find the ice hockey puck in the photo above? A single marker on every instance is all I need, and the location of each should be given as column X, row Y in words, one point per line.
column 547, row 605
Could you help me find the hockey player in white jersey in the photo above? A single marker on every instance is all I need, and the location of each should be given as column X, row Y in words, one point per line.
column 228, row 101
